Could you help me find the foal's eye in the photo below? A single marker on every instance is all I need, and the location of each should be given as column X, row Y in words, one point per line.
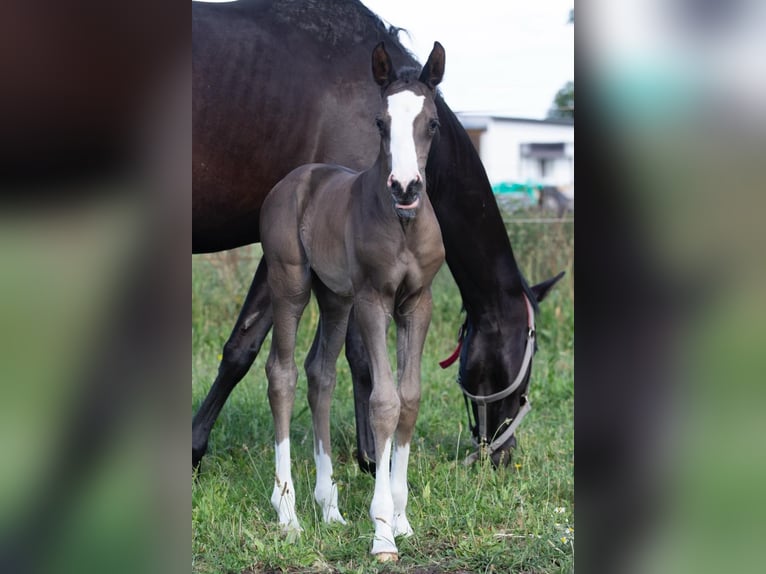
column 380, row 124
column 433, row 125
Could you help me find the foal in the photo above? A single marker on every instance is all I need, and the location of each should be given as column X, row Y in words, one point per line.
column 368, row 240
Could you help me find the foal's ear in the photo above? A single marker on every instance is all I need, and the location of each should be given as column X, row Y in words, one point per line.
column 433, row 71
column 382, row 69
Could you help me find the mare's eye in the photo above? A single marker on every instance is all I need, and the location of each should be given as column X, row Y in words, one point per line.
column 380, row 124
column 433, row 125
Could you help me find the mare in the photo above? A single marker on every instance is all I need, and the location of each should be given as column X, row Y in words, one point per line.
column 369, row 240
column 275, row 83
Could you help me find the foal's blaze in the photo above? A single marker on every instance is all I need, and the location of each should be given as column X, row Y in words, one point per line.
column 340, row 233
column 406, row 179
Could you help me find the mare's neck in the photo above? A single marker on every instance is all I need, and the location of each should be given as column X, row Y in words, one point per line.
column 479, row 252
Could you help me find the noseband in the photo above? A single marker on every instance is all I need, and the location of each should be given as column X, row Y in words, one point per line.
column 482, row 401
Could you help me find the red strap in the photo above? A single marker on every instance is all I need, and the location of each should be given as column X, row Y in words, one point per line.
column 455, row 354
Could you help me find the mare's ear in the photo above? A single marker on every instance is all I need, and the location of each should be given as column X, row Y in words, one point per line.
column 541, row 289
column 433, row 71
column 382, row 69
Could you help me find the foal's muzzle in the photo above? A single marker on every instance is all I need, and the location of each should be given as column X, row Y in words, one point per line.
column 406, row 199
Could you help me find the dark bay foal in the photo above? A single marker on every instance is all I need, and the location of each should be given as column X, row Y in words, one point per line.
column 370, row 241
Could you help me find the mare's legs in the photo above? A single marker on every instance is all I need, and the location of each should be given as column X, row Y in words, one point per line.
column 410, row 338
column 289, row 299
column 359, row 363
column 373, row 312
column 320, row 371
column 239, row 352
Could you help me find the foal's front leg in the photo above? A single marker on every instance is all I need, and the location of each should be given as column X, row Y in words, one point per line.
column 373, row 312
column 412, row 326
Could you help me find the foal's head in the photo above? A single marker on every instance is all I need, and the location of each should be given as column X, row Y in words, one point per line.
column 407, row 122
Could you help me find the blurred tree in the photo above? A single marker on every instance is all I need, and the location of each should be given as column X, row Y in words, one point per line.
column 563, row 103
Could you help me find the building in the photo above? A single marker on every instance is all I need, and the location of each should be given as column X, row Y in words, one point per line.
column 523, row 150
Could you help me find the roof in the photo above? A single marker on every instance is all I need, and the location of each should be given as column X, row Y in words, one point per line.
column 477, row 120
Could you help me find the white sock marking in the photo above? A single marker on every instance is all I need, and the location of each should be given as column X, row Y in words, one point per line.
column 399, row 491
column 283, row 495
column 382, row 507
column 326, row 491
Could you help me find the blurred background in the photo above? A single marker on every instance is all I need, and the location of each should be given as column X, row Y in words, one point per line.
column 675, row 97
column 95, row 108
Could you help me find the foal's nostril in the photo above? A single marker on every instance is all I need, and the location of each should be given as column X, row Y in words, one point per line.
column 415, row 185
column 395, row 186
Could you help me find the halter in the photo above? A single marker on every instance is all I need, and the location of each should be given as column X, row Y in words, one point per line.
column 482, row 401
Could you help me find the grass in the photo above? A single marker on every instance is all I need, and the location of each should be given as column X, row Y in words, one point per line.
column 475, row 519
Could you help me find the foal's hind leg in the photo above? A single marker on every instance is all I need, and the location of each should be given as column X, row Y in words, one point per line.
column 412, row 327
column 361, row 377
column 245, row 341
column 288, row 303
column 320, row 371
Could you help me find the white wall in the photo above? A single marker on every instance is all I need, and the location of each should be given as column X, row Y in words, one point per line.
column 501, row 149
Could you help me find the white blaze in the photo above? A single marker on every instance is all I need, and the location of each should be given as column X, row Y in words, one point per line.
column 403, row 109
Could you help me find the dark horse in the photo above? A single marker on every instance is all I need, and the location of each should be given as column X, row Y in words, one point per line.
column 274, row 86
column 368, row 240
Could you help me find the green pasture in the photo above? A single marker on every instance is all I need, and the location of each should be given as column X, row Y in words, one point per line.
column 466, row 519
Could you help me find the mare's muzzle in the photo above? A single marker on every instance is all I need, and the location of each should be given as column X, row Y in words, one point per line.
column 502, row 456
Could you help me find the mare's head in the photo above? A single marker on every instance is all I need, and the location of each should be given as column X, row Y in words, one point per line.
column 407, row 122
column 495, row 390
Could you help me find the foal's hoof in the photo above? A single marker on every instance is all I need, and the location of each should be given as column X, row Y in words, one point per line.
column 387, row 557
column 402, row 526
column 292, row 533
column 333, row 516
